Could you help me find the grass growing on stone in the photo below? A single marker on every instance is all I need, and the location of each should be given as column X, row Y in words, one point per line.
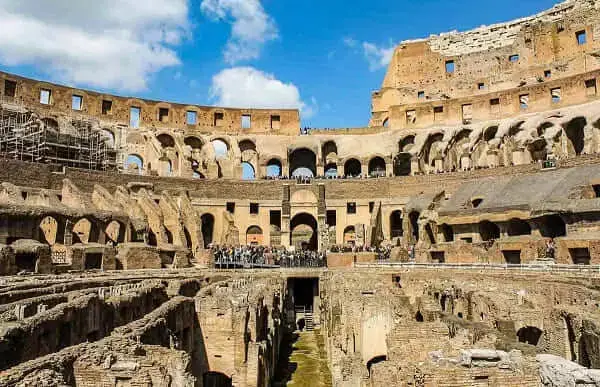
column 308, row 362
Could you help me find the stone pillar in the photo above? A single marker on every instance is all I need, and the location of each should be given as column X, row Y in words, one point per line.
column 320, row 170
column 364, row 169
column 389, row 169
column 414, row 166
column 340, row 170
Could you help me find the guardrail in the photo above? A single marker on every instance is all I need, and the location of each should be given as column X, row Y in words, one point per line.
column 485, row 266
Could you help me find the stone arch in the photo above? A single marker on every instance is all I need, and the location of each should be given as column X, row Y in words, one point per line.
column 109, row 138
column 193, row 142
column 447, row 232
column 377, row 167
column 386, row 123
column 50, row 228
column 303, row 162
column 134, row 164
column 274, row 168
column 458, row 153
column 574, row 130
column 402, row 161
column 304, row 219
column 517, row 227
column 330, row 152
column 488, row 230
column 350, row 235
column 480, row 153
column 552, row 226
column 254, row 235
column 85, row 231
column 538, row 149
column 375, row 360
column 541, row 129
column 248, row 172
column 396, row 228
column 208, row 226
column 221, row 148
column 432, row 151
column 51, row 124
column 530, row 335
column 166, row 140
column 115, row 231
column 352, row 167
column 247, row 145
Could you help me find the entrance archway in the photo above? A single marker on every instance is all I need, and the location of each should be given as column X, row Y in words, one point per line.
column 304, row 231
column 352, row 168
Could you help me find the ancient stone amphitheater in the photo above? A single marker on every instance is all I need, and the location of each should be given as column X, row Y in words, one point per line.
column 461, row 228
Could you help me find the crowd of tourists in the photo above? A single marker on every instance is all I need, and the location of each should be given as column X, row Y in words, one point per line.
column 309, row 179
column 383, row 252
column 245, row 256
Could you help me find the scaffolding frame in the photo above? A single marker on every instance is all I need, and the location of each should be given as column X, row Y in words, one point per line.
column 23, row 136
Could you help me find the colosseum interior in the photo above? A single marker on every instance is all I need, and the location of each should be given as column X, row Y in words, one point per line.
column 455, row 241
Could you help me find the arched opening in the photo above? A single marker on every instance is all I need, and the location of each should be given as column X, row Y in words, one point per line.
column 248, row 171
column 208, row 225
column 152, row 238
column 274, row 168
column 166, row 166
column 375, row 360
column 447, row 232
column 352, row 168
column 489, row 231
column 166, row 141
column 584, row 353
column 85, row 231
column 396, row 230
column 331, row 170
column 574, row 130
column 193, row 142
column 169, row 236
column 552, row 226
column 413, row 218
column 114, row 232
column 134, row 164
column 518, row 227
column 490, row 133
column 476, row 202
column 303, row 162
column 109, row 138
column 350, row 236
column 247, row 146
column 377, row 167
column 529, row 335
column 386, row 123
column 419, row 316
column 304, row 232
column 329, row 151
column 254, row 236
column 221, row 149
column 49, row 228
column 402, row 165
column 50, row 124
column 538, row 151
column 433, row 149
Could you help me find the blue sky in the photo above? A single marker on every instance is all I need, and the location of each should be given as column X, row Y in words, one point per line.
column 325, row 57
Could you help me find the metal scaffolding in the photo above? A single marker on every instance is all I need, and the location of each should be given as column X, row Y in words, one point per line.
column 25, row 137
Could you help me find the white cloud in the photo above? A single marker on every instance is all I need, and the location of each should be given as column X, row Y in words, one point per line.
column 251, row 27
column 377, row 56
column 114, row 44
column 252, row 88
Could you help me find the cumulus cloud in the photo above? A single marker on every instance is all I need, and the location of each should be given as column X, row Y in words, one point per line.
column 377, row 56
column 114, row 44
column 251, row 27
column 249, row 87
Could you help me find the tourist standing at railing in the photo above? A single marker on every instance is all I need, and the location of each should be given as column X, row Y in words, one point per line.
column 411, row 252
column 550, row 248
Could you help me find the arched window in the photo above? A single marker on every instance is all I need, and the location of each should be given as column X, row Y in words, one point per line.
column 221, row 149
column 529, row 335
column 331, row 170
column 254, row 235
column 208, row 225
column 413, row 217
column 349, row 235
column 352, row 168
column 402, row 165
column 247, row 171
column 552, row 226
column 274, row 168
column 194, row 142
column 574, row 130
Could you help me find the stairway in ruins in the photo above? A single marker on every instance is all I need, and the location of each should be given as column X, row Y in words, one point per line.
column 308, row 320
